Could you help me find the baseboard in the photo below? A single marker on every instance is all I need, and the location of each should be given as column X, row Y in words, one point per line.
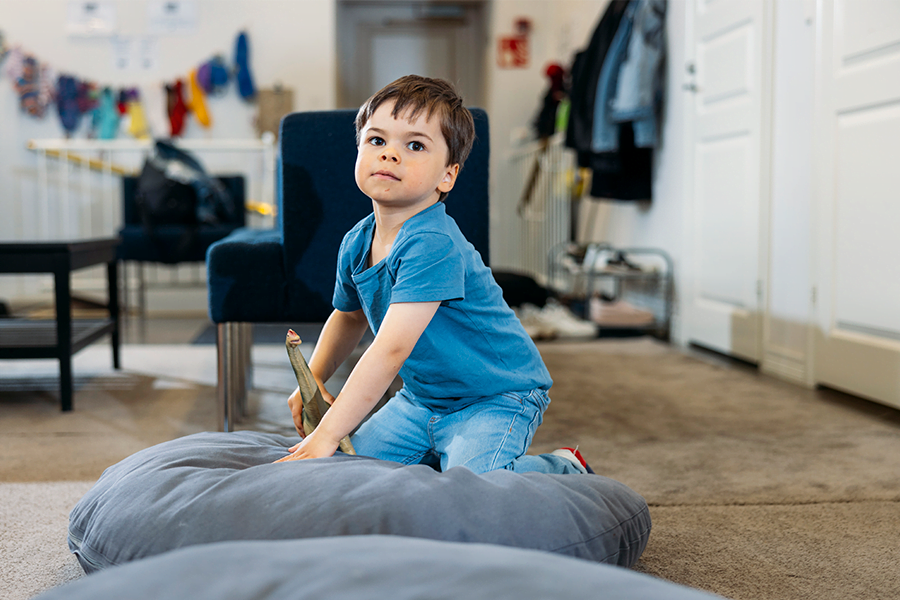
column 783, row 367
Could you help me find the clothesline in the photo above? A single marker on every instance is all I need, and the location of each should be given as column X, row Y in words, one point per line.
column 158, row 110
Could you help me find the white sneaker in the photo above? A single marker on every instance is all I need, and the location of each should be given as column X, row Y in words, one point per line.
column 534, row 324
column 565, row 324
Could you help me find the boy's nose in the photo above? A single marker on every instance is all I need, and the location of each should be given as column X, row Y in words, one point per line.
column 390, row 154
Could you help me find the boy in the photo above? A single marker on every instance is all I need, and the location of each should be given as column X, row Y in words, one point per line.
column 475, row 387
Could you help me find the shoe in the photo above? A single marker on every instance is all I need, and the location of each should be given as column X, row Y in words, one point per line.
column 535, row 326
column 618, row 313
column 620, row 263
column 575, row 456
column 566, row 325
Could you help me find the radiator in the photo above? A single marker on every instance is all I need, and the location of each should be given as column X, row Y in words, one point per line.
column 537, row 205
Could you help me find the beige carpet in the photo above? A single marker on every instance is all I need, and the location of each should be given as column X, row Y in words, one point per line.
column 758, row 489
column 33, row 519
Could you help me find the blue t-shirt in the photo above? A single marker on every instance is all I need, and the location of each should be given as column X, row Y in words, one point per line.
column 474, row 347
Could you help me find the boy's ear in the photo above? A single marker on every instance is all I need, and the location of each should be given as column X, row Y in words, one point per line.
column 449, row 178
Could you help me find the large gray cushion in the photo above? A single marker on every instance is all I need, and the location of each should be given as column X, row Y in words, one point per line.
column 351, row 568
column 215, row 487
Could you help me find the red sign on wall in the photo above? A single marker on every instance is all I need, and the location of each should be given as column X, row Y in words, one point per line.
column 512, row 52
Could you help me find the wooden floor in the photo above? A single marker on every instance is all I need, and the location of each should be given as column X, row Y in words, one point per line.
column 163, row 330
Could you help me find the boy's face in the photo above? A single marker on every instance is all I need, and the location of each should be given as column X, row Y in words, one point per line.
column 402, row 163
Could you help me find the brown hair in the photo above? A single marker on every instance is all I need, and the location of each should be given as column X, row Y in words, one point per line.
column 416, row 93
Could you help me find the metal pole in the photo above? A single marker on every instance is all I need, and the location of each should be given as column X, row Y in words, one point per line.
column 43, row 204
column 226, row 384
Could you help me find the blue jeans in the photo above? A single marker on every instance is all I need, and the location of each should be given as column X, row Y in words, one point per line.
column 486, row 435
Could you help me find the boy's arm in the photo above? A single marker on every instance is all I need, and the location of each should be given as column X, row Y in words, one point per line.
column 340, row 335
column 400, row 331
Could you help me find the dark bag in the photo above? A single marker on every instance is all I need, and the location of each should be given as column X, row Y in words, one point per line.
column 173, row 189
column 164, row 201
column 213, row 202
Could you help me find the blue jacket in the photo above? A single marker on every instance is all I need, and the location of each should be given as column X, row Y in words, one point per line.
column 630, row 85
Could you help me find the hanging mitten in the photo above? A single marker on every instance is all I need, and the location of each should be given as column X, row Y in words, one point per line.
column 87, row 97
column 242, row 62
column 176, row 107
column 138, row 120
column 27, row 86
column 46, row 86
column 122, row 102
column 14, row 62
column 14, row 65
column 218, row 75
column 198, row 102
column 67, row 103
column 106, row 116
column 204, row 77
column 154, row 101
column 4, row 50
column 122, row 107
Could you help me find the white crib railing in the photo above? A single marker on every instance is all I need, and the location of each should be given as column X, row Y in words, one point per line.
column 79, row 181
column 542, row 176
column 73, row 190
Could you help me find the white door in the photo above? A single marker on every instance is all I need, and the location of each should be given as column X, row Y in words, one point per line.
column 857, row 199
column 727, row 185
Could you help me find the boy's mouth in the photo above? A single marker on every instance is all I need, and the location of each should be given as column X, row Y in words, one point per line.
column 385, row 175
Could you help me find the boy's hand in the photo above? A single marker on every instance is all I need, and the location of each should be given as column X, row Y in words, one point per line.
column 315, row 445
column 295, row 403
column 400, row 330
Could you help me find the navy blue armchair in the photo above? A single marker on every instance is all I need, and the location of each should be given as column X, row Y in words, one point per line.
column 287, row 274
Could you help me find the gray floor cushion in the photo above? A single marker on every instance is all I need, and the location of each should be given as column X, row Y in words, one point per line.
column 217, row 487
column 366, row 567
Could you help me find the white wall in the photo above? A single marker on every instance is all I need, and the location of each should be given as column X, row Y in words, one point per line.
column 291, row 42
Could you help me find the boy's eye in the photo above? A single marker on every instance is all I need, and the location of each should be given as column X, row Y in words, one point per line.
column 376, row 141
column 415, row 146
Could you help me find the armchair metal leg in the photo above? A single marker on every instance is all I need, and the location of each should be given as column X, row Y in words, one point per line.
column 233, row 346
column 142, row 290
column 246, row 366
column 238, row 362
column 241, row 363
column 226, row 385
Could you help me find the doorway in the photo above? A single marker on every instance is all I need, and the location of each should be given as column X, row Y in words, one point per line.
column 381, row 41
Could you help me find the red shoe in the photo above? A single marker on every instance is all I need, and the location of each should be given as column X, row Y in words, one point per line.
column 575, row 456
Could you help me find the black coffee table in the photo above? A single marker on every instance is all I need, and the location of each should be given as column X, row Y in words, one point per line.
column 63, row 337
